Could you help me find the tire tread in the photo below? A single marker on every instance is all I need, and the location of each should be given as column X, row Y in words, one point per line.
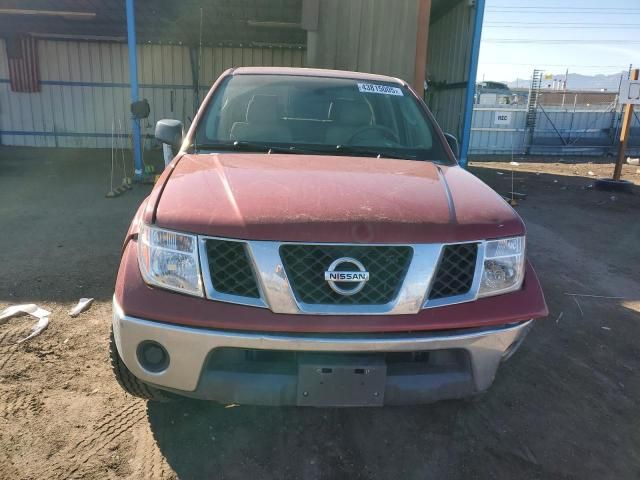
column 129, row 382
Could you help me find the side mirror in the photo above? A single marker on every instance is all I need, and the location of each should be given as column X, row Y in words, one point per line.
column 453, row 144
column 169, row 132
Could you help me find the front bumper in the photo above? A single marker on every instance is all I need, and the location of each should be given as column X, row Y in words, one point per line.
column 190, row 350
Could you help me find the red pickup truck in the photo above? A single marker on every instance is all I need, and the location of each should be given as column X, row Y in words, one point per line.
column 315, row 243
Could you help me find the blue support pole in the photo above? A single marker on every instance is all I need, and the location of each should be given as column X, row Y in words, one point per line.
column 471, row 83
column 133, row 78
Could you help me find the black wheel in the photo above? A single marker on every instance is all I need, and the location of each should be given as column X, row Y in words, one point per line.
column 129, row 382
column 611, row 185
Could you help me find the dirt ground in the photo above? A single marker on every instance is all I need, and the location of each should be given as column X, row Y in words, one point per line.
column 566, row 406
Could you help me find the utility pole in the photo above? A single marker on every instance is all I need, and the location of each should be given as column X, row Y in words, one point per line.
column 624, row 132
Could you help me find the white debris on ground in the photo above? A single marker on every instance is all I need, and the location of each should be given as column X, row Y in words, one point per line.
column 30, row 309
column 83, row 304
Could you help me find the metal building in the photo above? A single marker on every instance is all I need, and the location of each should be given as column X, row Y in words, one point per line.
column 85, row 75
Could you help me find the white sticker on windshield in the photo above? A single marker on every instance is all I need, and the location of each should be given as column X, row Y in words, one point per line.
column 382, row 89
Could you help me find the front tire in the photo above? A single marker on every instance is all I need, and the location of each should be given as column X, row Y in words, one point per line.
column 129, row 382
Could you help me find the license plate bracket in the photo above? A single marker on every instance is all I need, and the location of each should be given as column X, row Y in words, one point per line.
column 341, row 381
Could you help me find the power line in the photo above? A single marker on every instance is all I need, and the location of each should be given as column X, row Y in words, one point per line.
column 559, row 7
column 552, row 41
column 622, row 67
column 511, row 22
column 554, row 7
column 564, row 12
column 560, row 27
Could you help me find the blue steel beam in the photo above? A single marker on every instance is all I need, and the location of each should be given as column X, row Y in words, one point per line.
column 133, row 78
column 471, row 83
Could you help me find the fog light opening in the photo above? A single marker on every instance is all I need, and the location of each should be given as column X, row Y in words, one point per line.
column 152, row 356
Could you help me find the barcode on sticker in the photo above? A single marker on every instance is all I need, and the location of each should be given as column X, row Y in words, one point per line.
column 382, row 89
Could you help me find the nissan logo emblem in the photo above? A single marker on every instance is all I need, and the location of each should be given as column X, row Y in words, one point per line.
column 358, row 277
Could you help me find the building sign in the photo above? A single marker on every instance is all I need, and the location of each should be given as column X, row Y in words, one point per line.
column 502, row 118
column 630, row 92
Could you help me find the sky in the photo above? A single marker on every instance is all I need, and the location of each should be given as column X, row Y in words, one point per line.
column 586, row 36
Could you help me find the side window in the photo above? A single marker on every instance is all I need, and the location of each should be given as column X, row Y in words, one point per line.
column 301, row 105
column 417, row 133
column 212, row 120
column 218, row 127
column 223, row 111
column 386, row 115
column 232, row 107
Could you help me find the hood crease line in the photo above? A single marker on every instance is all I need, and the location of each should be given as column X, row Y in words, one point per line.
column 228, row 190
column 452, row 207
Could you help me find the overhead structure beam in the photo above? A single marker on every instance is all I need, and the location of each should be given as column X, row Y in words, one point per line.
column 471, row 82
column 268, row 24
column 66, row 36
column 49, row 13
column 133, row 79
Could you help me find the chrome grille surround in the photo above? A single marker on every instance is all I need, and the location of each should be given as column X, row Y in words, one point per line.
column 277, row 294
column 305, row 266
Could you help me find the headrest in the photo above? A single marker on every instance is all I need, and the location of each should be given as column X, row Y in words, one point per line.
column 263, row 109
column 350, row 112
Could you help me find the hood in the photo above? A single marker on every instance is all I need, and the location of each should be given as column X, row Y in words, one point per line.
column 310, row 198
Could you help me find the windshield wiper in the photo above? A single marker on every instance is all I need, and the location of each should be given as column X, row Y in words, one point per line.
column 371, row 152
column 243, row 146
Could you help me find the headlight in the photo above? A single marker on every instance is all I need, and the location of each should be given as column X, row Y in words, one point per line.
column 169, row 260
column 503, row 269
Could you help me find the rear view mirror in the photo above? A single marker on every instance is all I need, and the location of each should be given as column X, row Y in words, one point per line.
column 169, row 132
column 453, row 144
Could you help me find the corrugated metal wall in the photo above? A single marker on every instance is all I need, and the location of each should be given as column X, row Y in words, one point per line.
column 85, row 89
column 486, row 137
column 374, row 36
column 557, row 132
column 449, row 49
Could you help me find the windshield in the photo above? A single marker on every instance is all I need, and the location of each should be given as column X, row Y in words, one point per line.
column 299, row 114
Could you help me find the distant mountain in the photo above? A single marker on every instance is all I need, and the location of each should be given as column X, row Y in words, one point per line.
column 575, row 81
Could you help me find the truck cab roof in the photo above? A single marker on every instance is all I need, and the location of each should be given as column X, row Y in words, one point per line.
column 316, row 72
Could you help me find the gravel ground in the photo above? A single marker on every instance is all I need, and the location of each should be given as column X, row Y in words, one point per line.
column 565, row 406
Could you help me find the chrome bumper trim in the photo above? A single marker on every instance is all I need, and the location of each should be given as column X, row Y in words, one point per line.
column 189, row 347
